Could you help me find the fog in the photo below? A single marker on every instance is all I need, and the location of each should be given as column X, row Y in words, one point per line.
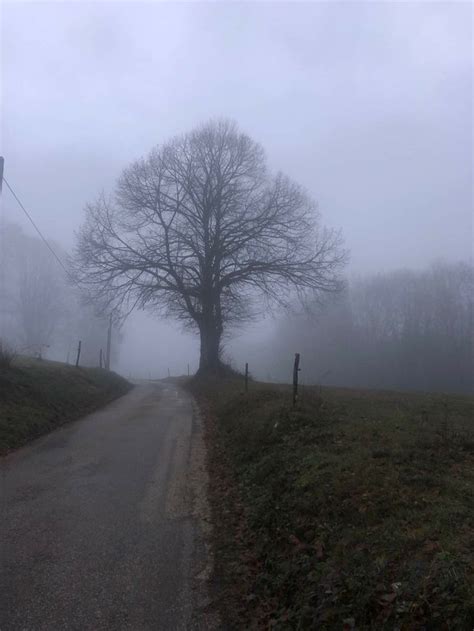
column 367, row 105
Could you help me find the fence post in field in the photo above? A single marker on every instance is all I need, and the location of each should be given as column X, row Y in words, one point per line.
column 296, row 369
column 78, row 353
column 246, row 377
column 188, row 370
column 100, row 358
column 109, row 343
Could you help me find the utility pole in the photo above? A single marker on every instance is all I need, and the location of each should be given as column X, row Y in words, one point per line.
column 78, row 353
column 2, row 164
column 2, row 248
column 109, row 344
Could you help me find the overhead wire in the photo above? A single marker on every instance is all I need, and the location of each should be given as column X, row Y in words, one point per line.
column 43, row 238
column 35, row 226
column 68, row 274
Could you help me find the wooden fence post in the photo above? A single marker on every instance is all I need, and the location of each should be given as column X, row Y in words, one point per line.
column 100, row 358
column 78, row 353
column 109, row 343
column 246, row 377
column 188, row 370
column 296, row 369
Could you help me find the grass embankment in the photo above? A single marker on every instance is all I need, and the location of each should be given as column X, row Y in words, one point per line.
column 353, row 510
column 36, row 396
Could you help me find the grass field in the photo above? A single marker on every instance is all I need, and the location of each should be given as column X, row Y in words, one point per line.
column 37, row 396
column 355, row 509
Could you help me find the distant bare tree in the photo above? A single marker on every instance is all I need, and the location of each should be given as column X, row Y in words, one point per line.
column 200, row 230
column 40, row 297
column 404, row 329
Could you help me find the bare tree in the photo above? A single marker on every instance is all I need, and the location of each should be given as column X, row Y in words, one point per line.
column 40, row 297
column 201, row 231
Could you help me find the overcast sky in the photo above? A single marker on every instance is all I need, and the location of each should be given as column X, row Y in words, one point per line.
column 369, row 105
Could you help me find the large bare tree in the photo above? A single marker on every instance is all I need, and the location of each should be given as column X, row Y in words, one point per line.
column 200, row 230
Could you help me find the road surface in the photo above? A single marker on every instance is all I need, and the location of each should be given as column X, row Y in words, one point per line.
column 103, row 522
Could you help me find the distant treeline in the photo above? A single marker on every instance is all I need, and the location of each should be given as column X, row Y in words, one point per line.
column 41, row 312
column 408, row 330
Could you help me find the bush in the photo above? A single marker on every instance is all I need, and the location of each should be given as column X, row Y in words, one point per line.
column 7, row 355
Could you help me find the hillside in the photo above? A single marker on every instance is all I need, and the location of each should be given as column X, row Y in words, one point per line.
column 36, row 396
column 354, row 510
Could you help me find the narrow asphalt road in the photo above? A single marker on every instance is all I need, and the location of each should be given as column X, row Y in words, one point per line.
column 103, row 522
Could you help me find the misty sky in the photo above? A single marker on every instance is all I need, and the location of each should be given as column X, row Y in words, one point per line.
column 369, row 105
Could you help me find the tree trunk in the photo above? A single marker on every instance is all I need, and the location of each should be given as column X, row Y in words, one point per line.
column 210, row 362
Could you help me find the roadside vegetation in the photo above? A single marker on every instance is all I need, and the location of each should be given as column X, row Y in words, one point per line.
column 355, row 509
column 36, row 396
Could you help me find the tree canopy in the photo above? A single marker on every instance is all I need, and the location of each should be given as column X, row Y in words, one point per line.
column 201, row 230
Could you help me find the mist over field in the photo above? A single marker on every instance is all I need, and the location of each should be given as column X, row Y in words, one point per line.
column 367, row 106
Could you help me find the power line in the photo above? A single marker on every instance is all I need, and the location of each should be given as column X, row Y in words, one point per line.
column 68, row 274
column 36, row 228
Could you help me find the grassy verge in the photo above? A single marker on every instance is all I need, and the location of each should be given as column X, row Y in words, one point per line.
column 353, row 510
column 36, row 396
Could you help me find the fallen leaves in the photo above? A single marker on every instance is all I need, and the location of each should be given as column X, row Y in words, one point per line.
column 387, row 599
column 319, row 547
column 431, row 546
